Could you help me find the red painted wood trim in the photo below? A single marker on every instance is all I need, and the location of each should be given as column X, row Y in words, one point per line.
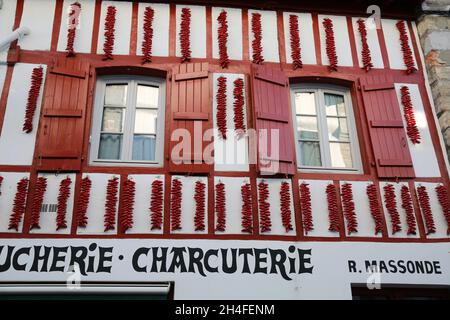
column 415, row 46
column 386, row 124
column 134, row 28
column 62, row 154
column 351, row 36
column 394, row 163
column 191, row 75
column 191, row 116
column 209, row 39
column 384, row 53
column 271, row 80
column 68, row 72
column 245, row 36
column 281, row 36
column 376, row 87
column 316, row 32
column 211, row 214
column 417, row 211
column 173, row 30
column 4, row 94
column 56, row 25
column 63, row 113
column 19, row 12
column 272, row 117
column 96, row 26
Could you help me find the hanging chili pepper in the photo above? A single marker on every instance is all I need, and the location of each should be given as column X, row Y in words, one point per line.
column 264, row 207
column 33, row 95
column 199, row 197
column 222, row 39
column 83, row 202
column 349, row 208
column 128, row 196
column 247, row 215
column 238, row 107
column 112, row 190
column 442, row 195
column 175, row 204
column 257, row 38
column 147, row 40
column 74, row 15
column 372, row 195
column 330, row 44
column 406, row 49
column 295, row 42
column 1, row 181
column 221, row 99
column 110, row 23
column 365, row 50
column 19, row 204
column 285, row 206
column 391, row 206
column 185, row 35
column 156, row 205
column 220, row 207
column 63, row 196
column 333, row 211
column 305, row 202
column 424, row 201
column 408, row 112
column 408, row 207
column 38, row 198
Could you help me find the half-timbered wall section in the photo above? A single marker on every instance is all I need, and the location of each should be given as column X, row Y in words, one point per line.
column 323, row 128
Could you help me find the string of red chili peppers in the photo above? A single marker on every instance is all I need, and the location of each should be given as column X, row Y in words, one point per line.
column 199, row 197
column 349, row 208
column 264, row 207
column 222, row 39
column 408, row 207
column 18, row 209
column 156, row 205
column 333, row 211
column 257, row 38
column 128, row 196
column 374, row 205
column 63, row 196
column 147, row 41
column 295, row 42
column 391, row 206
column 220, row 207
column 36, row 204
column 330, row 44
column 424, row 201
column 442, row 195
column 238, row 107
column 365, row 50
column 285, row 206
column 406, row 49
column 33, row 95
column 75, row 9
column 247, row 215
column 83, row 202
column 110, row 22
column 305, row 202
column 175, row 204
column 411, row 127
column 112, row 190
column 185, row 35
column 221, row 114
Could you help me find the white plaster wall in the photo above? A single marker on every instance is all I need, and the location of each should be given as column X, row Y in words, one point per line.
column 188, row 204
column 269, row 31
column 198, row 31
column 123, row 27
column 234, row 45
column 83, row 37
column 305, row 30
column 16, row 146
column 96, row 209
column 8, row 191
column 341, row 39
column 230, row 154
column 141, row 212
column 38, row 17
column 7, row 15
column 372, row 41
column 233, row 204
column 47, row 220
column 160, row 43
column 366, row 224
column 393, row 45
column 319, row 207
column 404, row 232
column 274, row 209
column 436, row 210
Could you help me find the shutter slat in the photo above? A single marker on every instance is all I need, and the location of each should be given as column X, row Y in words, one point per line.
column 191, row 75
column 191, row 116
column 379, row 86
column 272, row 117
column 63, row 113
column 81, row 74
column 386, row 123
column 394, row 163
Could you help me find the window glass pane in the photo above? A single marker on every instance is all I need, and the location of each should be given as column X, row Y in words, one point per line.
column 110, row 146
column 113, row 119
column 341, row 156
column 307, row 127
column 305, row 103
column 144, row 147
column 116, row 94
column 337, row 129
column 310, row 154
column 145, row 121
column 334, row 104
column 147, row 96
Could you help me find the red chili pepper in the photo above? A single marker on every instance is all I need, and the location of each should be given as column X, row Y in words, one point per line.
column 128, row 197
column 257, row 38
column 175, row 204
column 112, row 190
column 247, row 215
column 156, row 205
column 330, row 44
column 222, row 39
column 411, row 127
column 408, row 207
column 442, row 195
column 33, row 95
column 83, row 202
column 295, row 42
column 147, row 41
column 185, row 34
column 199, row 197
column 305, row 202
column 220, row 207
column 333, row 211
column 391, row 206
column 424, row 201
column 406, row 49
column 110, row 22
column 264, row 207
column 19, row 204
column 74, row 14
column 63, row 196
column 221, row 115
column 374, row 204
column 365, row 50
column 38, row 198
column 238, row 107
column 285, row 206
column 349, row 208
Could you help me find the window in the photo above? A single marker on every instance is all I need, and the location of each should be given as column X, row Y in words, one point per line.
column 325, row 129
column 128, row 121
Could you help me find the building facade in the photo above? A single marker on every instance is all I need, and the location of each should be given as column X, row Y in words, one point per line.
column 217, row 151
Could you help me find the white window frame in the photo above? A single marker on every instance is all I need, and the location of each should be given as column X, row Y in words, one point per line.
column 319, row 91
column 130, row 116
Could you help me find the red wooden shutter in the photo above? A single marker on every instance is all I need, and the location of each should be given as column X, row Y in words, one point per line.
column 190, row 107
column 60, row 140
column 387, row 134
column 270, row 88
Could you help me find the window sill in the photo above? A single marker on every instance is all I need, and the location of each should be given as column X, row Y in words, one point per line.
column 108, row 163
